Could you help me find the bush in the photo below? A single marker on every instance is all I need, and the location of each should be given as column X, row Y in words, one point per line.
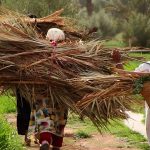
column 9, row 139
column 7, row 104
column 105, row 23
column 82, row 135
column 137, row 30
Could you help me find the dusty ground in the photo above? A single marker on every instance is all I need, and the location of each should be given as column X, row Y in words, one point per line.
column 95, row 142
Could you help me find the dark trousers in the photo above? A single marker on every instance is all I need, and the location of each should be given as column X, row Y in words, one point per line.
column 23, row 114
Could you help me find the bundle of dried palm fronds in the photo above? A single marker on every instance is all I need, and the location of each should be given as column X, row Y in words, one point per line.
column 42, row 24
column 70, row 73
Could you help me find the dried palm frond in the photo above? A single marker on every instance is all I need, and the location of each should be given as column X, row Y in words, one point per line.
column 70, row 74
column 41, row 24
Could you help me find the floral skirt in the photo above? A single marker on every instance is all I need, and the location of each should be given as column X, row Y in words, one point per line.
column 48, row 120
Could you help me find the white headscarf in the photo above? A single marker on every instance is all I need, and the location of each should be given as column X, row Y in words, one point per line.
column 55, row 34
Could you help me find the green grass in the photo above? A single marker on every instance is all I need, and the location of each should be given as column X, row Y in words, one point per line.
column 134, row 139
column 117, row 128
column 86, row 125
column 140, row 54
column 131, row 65
column 82, row 134
column 117, row 41
column 114, row 43
column 7, row 104
column 9, row 139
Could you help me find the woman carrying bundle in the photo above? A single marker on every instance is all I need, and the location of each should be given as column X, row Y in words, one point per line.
column 48, row 118
column 145, row 68
column 142, row 70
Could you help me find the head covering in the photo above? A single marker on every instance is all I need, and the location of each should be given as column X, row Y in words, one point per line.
column 55, row 34
column 145, row 67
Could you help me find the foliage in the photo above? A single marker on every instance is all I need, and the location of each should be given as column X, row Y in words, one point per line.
column 99, row 19
column 42, row 7
column 82, row 135
column 137, row 29
column 108, row 16
column 9, row 139
column 105, row 23
column 138, row 85
column 134, row 18
column 129, row 17
column 7, row 104
column 117, row 41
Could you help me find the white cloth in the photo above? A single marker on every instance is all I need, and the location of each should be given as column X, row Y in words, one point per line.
column 145, row 67
column 55, row 34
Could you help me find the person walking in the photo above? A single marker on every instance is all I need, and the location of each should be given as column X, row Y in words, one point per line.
column 48, row 118
column 142, row 70
column 145, row 68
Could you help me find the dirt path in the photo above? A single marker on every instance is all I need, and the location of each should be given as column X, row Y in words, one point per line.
column 134, row 122
column 96, row 142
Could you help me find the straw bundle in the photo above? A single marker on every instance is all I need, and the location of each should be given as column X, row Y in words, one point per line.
column 42, row 24
column 70, row 74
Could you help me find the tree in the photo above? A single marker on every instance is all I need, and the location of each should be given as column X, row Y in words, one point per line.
column 99, row 19
column 134, row 17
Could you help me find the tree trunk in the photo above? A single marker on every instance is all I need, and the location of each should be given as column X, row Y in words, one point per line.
column 89, row 6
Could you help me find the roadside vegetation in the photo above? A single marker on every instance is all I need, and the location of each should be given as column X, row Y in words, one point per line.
column 9, row 140
column 8, row 104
